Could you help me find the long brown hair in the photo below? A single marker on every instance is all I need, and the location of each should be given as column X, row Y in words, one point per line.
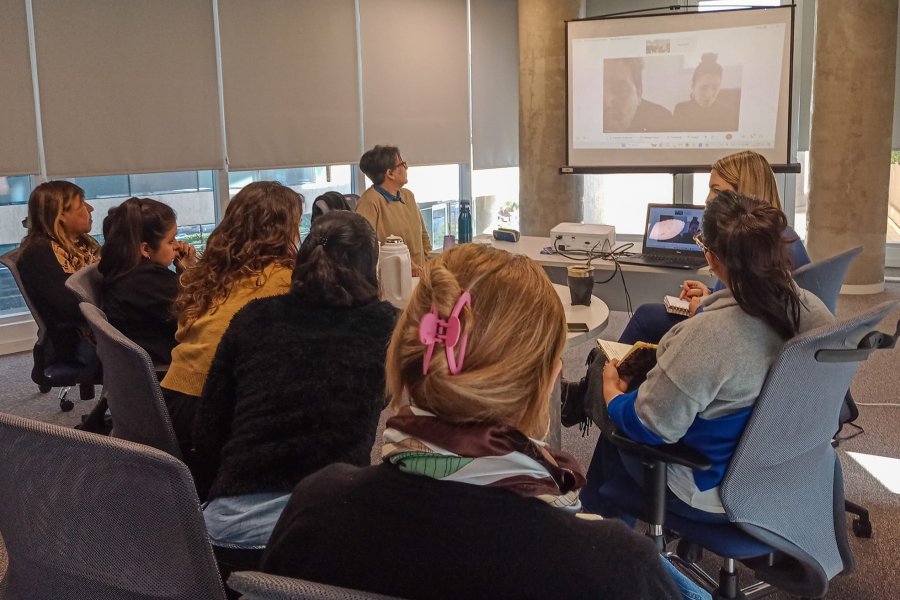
column 46, row 204
column 126, row 227
column 260, row 228
column 517, row 331
column 747, row 235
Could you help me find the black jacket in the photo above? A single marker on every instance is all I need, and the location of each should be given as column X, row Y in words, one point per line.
column 45, row 283
column 139, row 304
column 384, row 531
column 294, row 386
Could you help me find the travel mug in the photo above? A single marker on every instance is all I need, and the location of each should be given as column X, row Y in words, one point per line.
column 581, row 284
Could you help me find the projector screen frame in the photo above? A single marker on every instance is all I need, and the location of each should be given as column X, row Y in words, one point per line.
column 778, row 167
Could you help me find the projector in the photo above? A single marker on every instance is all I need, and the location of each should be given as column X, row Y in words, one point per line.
column 583, row 236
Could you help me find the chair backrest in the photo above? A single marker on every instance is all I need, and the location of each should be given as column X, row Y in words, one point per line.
column 10, row 261
column 825, row 277
column 129, row 383
column 87, row 283
column 262, row 586
column 88, row 516
column 784, row 484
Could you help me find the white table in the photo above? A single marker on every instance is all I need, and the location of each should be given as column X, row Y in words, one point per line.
column 595, row 316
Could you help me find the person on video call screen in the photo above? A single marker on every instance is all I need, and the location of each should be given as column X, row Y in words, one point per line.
column 624, row 108
column 710, row 108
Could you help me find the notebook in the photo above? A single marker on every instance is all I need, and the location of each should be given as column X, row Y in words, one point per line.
column 669, row 238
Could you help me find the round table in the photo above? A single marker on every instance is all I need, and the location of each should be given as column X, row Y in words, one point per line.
column 595, row 316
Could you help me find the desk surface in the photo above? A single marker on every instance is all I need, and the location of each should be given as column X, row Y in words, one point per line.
column 630, row 286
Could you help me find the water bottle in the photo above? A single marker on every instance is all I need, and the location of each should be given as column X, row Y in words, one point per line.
column 464, row 224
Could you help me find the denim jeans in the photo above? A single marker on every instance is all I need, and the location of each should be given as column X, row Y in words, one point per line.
column 689, row 590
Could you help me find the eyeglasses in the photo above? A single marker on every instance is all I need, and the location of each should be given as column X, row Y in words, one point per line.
column 698, row 239
column 402, row 163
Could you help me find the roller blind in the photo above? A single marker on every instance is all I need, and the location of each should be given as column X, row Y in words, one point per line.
column 127, row 87
column 290, row 77
column 495, row 83
column 18, row 130
column 415, row 78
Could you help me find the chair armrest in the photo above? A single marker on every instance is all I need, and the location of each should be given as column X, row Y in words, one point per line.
column 676, row 453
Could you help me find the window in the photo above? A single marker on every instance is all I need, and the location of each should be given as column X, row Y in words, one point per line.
column 496, row 199
column 310, row 182
column 14, row 193
column 189, row 193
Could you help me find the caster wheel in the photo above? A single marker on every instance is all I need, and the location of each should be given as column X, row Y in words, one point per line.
column 44, row 388
column 66, row 405
column 862, row 529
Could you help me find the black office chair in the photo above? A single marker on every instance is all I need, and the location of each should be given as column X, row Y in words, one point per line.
column 48, row 372
column 783, row 492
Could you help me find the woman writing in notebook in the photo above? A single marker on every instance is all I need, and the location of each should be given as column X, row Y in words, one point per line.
column 748, row 173
column 710, row 370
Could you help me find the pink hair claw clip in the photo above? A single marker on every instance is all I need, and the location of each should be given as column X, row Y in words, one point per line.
column 433, row 329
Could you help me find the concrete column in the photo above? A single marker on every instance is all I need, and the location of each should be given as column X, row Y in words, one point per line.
column 546, row 198
column 850, row 144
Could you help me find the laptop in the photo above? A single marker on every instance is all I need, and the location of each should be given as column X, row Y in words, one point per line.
column 669, row 238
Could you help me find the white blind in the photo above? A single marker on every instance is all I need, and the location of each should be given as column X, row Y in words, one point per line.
column 290, row 77
column 18, row 130
column 127, row 87
column 495, row 83
column 415, row 78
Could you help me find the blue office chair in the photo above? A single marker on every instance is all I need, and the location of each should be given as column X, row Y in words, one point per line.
column 789, row 529
column 824, row 278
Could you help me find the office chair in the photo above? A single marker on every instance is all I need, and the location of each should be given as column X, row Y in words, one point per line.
column 87, row 284
column 89, row 516
column 48, row 372
column 262, row 586
column 130, row 386
column 824, row 278
column 789, row 529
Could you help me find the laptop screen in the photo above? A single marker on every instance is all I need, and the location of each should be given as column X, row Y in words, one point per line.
column 670, row 229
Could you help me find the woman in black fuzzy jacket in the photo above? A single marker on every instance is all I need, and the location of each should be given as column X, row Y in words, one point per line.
column 297, row 383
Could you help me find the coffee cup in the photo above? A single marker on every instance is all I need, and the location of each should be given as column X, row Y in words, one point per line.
column 581, row 284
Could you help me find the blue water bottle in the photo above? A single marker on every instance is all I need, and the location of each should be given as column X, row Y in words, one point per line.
column 464, row 224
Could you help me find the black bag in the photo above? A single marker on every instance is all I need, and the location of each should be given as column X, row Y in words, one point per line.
column 580, row 398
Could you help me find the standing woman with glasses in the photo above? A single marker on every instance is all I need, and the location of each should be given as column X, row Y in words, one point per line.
column 389, row 207
column 249, row 255
column 710, row 369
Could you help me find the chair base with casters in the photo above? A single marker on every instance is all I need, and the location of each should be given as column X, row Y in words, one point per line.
column 791, row 531
column 48, row 373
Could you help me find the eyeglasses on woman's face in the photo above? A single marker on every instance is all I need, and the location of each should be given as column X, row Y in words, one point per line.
column 402, row 163
column 698, row 239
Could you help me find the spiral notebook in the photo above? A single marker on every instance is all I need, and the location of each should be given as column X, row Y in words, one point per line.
column 677, row 306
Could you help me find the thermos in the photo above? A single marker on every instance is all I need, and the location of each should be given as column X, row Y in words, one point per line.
column 464, row 224
column 395, row 271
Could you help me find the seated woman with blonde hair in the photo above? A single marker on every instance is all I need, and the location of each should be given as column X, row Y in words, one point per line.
column 468, row 502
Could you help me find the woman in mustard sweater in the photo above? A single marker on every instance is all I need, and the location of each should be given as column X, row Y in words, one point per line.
column 250, row 255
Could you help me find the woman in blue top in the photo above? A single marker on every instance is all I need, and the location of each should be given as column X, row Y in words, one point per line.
column 748, row 173
column 711, row 368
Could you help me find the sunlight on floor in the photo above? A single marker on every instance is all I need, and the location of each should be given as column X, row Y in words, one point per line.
column 886, row 470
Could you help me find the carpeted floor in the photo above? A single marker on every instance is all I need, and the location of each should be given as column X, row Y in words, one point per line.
column 877, row 382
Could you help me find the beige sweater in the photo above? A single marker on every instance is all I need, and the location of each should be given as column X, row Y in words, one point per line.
column 197, row 344
column 397, row 218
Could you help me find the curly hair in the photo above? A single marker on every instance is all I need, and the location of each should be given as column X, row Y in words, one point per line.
column 260, row 228
column 747, row 235
column 517, row 332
